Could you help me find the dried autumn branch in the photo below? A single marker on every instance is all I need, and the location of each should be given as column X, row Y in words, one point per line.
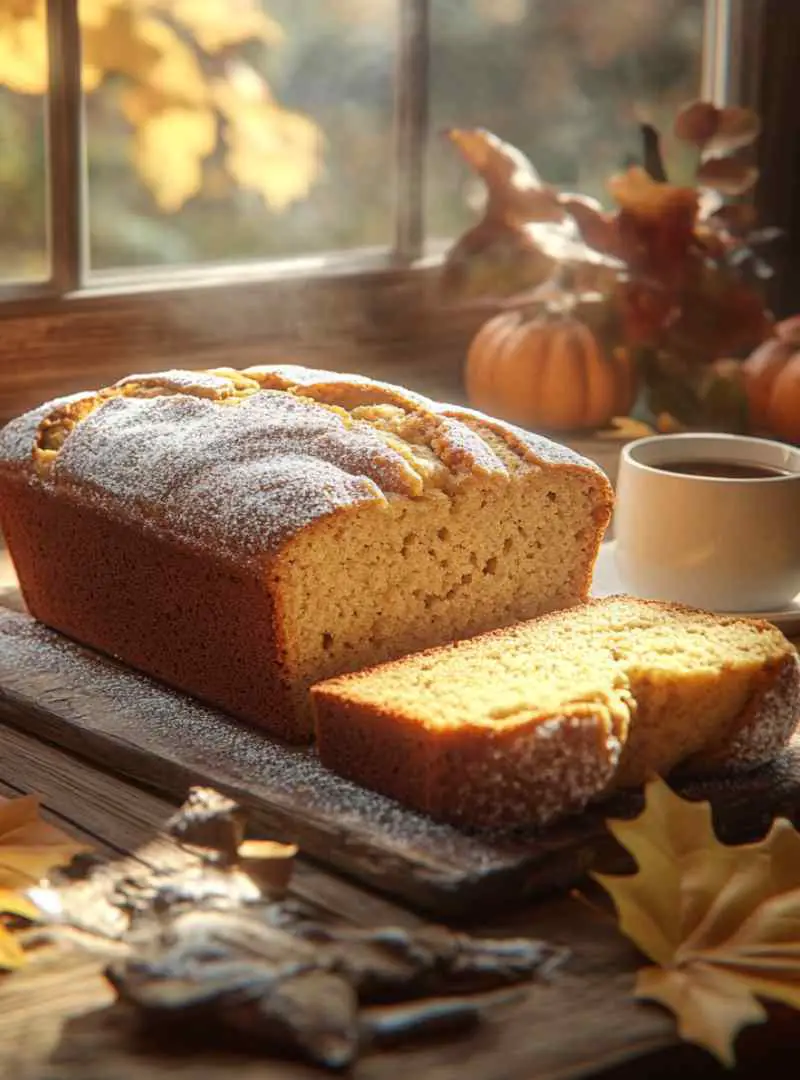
column 721, row 924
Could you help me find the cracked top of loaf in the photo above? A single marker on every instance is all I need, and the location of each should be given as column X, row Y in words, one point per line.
column 245, row 459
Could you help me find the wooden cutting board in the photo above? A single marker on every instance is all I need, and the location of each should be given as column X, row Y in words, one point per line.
column 133, row 726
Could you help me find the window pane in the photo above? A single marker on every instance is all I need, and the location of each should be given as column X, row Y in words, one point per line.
column 567, row 81
column 228, row 129
column 23, row 88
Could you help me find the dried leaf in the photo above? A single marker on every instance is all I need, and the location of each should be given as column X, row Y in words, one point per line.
column 710, row 1007
column 636, row 191
column 12, row 954
column 516, row 191
column 667, row 424
column 715, row 130
column 696, row 122
column 722, row 923
column 736, row 127
column 738, row 218
column 30, row 847
column 727, row 176
column 625, row 429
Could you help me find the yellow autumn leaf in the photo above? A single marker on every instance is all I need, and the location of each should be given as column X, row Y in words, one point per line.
column 625, row 428
column 23, row 47
column 721, row 923
column 710, row 1007
column 116, row 44
column 29, row 846
column 140, row 103
column 169, row 152
column 270, row 150
column 13, row 903
column 12, row 954
column 176, row 73
column 217, row 24
column 159, row 47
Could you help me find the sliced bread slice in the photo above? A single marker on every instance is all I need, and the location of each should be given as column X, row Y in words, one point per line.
column 526, row 724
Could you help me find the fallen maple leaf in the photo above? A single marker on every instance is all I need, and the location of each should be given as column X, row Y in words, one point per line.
column 721, row 923
column 30, row 847
column 13, row 903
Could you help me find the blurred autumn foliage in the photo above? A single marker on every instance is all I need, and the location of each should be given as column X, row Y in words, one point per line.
column 224, row 129
column 192, row 153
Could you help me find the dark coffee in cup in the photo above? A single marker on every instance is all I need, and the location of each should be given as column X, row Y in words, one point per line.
column 732, row 470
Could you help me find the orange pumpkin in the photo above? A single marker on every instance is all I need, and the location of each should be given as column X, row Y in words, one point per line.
column 548, row 372
column 772, row 381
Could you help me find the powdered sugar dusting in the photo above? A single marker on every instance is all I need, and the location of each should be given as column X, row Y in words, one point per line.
column 352, row 390
column 771, row 720
column 180, row 381
column 535, row 448
column 17, row 437
column 184, row 451
column 248, row 475
column 457, row 446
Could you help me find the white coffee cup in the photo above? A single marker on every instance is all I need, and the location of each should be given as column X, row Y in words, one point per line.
column 723, row 543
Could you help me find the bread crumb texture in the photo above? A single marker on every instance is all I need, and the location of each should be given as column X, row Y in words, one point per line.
column 526, row 724
column 373, row 521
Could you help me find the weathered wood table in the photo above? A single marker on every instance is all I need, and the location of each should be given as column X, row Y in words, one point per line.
column 58, row 1020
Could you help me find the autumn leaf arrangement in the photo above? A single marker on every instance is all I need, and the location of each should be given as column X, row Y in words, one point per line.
column 720, row 924
column 677, row 267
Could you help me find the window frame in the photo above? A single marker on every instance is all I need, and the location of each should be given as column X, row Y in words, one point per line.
column 358, row 309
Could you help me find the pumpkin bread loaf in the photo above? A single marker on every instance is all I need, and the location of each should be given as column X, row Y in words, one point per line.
column 241, row 535
column 526, row 724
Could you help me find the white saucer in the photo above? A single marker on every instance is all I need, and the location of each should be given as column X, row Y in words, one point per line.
column 606, row 582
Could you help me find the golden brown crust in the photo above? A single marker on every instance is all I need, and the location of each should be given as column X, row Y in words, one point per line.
column 469, row 776
column 203, row 626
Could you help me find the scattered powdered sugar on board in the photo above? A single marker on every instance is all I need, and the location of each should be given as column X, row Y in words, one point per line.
column 212, row 747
